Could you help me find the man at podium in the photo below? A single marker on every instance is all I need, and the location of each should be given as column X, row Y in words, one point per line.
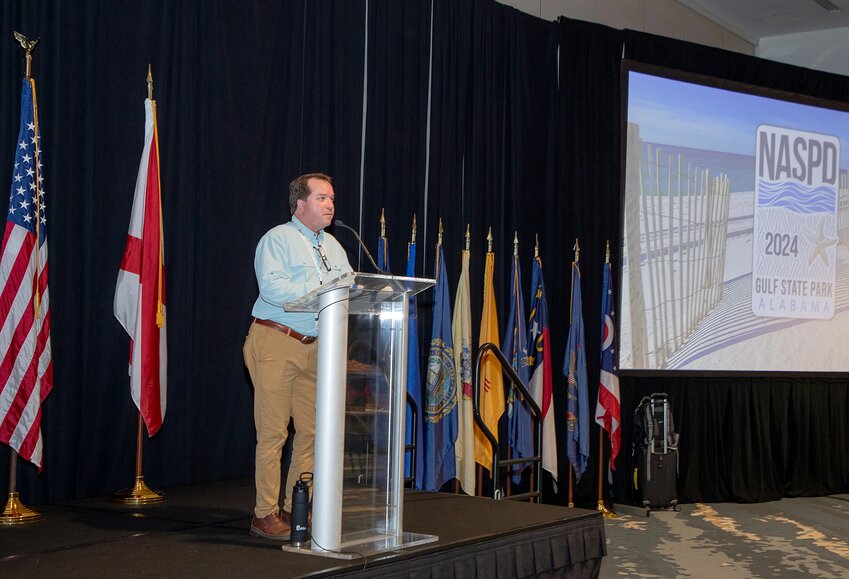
column 280, row 351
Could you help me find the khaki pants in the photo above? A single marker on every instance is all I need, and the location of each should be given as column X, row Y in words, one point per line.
column 283, row 372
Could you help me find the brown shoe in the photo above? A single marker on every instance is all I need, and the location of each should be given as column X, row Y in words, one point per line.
column 286, row 517
column 274, row 526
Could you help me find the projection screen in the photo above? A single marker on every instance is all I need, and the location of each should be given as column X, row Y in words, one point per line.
column 735, row 241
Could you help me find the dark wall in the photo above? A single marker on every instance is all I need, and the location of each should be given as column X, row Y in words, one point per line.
column 251, row 94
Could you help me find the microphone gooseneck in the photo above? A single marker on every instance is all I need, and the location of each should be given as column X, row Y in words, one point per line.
column 339, row 223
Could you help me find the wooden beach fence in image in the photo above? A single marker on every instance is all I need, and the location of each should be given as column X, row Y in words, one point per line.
column 843, row 209
column 675, row 230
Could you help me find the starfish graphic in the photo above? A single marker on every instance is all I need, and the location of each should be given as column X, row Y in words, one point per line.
column 821, row 243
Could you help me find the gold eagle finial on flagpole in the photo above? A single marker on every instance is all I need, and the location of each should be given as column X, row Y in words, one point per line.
column 28, row 46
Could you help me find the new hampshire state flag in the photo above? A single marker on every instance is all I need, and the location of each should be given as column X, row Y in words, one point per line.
column 440, row 404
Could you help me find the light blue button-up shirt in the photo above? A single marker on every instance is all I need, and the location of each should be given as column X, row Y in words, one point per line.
column 288, row 265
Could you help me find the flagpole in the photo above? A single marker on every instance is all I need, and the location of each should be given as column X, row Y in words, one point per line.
column 160, row 315
column 436, row 269
column 140, row 494
column 15, row 512
column 37, row 252
column 457, row 487
column 412, row 236
column 383, row 238
column 577, row 248
column 513, row 389
column 492, row 477
column 438, row 245
column 460, row 388
column 415, row 443
column 479, row 486
column 537, row 470
column 479, row 468
column 607, row 513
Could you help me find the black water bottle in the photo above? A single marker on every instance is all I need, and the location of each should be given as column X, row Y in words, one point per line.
column 300, row 509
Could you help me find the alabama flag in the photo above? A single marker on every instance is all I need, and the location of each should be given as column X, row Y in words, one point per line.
column 140, row 291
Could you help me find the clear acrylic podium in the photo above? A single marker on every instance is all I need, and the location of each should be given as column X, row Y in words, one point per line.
column 358, row 483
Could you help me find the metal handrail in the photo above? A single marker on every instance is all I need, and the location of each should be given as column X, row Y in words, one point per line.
column 536, row 415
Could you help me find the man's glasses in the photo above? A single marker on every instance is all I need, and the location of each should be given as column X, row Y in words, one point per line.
column 323, row 256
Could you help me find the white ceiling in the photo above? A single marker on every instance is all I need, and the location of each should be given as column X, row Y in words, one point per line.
column 756, row 19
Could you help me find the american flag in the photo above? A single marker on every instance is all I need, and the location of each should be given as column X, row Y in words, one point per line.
column 26, row 370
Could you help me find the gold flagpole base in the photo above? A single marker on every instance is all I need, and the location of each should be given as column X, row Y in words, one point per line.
column 17, row 513
column 139, row 495
column 571, row 505
column 605, row 512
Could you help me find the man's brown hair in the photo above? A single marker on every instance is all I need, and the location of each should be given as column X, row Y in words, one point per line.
column 299, row 188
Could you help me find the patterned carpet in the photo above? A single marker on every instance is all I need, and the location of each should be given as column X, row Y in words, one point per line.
column 800, row 537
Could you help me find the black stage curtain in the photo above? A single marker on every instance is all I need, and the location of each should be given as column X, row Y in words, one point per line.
column 248, row 95
column 449, row 109
column 396, row 127
column 493, row 97
column 750, row 439
column 587, row 205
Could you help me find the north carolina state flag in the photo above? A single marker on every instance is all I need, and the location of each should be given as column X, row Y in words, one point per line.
column 140, row 291
column 539, row 358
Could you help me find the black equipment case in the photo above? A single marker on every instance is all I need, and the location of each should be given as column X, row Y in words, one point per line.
column 655, row 453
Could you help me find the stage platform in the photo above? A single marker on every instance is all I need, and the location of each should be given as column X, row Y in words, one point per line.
column 202, row 531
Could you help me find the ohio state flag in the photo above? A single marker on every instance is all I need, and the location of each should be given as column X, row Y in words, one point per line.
column 140, row 292
column 607, row 411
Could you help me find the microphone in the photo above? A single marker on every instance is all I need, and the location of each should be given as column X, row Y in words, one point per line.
column 339, row 223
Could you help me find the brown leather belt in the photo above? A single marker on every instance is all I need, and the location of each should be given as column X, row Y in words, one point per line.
column 286, row 330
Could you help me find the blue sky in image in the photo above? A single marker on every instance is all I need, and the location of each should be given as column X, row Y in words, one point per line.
column 684, row 114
